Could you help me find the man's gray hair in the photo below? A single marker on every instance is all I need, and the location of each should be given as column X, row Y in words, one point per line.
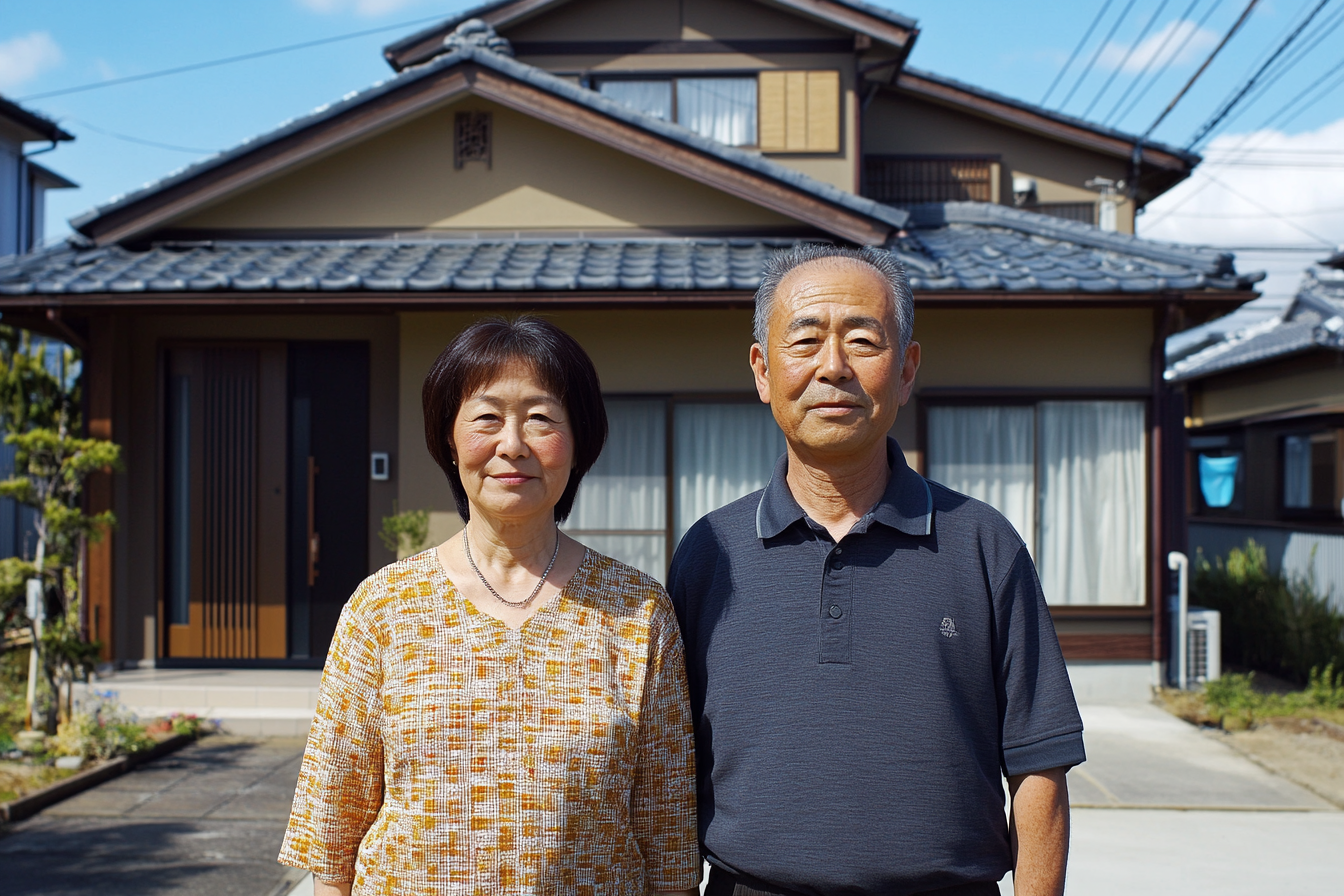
column 780, row 264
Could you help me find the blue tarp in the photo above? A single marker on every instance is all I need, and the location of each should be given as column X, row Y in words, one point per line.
column 1218, row 479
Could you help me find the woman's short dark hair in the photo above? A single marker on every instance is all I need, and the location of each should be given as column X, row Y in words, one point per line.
column 479, row 354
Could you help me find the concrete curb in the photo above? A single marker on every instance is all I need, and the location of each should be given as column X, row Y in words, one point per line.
column 29, row 805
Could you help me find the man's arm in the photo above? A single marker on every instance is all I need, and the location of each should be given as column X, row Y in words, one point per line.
column 1039, row 828
column 334, row 888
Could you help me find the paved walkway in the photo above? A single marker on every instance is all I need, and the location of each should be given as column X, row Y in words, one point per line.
column 207, row 819
column 1160, row 808
column 1185, row 814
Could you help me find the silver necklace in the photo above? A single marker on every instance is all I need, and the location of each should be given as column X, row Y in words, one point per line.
column 517, row 604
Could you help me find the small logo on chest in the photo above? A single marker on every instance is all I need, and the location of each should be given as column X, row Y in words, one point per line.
column 948, row 628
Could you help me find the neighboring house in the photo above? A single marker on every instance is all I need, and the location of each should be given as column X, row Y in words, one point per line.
column 1266, row 435
column 259, row 324
column 23, row 186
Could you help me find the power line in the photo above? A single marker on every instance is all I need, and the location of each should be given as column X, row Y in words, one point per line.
column 1124, row 14
column 196, row 66
column 1143, row 72
column 129, row 139
column 1076, row 50
column 1322, row 95
column 1221, row 215
column 1231, row 103
column 1327, row 28
column 1130, row 52
column 1236, row 26
column 1176, row 54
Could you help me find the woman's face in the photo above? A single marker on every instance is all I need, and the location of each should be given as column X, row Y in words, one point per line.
column 514, row 447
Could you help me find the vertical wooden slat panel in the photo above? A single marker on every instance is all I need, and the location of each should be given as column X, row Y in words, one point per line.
column 795, row 104
column 229, row 473
column 771, row 112
column 823, row 111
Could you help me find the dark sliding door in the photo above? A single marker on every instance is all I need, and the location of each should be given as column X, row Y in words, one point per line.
column 328, row 516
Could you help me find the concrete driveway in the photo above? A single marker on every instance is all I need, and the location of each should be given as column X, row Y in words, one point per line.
column 1163, row 808
column 207, row 819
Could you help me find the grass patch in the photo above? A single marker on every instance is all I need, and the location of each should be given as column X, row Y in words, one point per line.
column 20, row 779
column 1234, row 703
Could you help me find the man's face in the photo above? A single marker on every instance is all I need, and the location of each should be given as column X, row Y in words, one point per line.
column 830, row 370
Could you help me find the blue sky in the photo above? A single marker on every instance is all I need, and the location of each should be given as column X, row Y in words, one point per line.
column 1015, row 48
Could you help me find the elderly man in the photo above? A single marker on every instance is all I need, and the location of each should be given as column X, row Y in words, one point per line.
column 869, row 653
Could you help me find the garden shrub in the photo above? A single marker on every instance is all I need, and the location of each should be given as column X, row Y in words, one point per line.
column 1271, row 622
column 101, row 732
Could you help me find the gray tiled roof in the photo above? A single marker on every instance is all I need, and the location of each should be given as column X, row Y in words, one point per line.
column 955, row 246
column 1315, row 319
column 472, row 49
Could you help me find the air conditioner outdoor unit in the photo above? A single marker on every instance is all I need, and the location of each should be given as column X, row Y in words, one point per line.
column 1204, row 649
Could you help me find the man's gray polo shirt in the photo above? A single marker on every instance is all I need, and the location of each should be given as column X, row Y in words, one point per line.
column 856, row 704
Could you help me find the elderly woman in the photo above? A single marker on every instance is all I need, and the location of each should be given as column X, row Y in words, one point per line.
column 505, row 713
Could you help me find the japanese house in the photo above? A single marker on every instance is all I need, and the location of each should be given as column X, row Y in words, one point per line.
column 258, row 325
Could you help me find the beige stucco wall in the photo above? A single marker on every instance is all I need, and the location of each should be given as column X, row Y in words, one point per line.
column 542, row 177
column 1035, row 348
column 897, row 123
column 1311, row 381
column 141, row 339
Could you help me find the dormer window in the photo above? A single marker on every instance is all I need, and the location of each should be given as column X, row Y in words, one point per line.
column 722, row 109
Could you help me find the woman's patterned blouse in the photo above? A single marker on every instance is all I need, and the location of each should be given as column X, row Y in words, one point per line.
column 452, row 754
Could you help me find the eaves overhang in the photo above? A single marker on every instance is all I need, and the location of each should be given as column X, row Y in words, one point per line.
column 873, row 21
column 516, row 85
column 39, row 126
column 1172, row 163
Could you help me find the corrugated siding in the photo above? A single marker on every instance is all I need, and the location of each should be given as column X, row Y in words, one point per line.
column 1296, row 553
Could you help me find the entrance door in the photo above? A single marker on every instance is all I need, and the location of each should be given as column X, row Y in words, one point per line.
column 224, row 594
column 329, row 487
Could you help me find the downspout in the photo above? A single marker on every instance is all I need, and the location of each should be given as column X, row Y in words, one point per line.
column 1180, row 564
column 26, row 221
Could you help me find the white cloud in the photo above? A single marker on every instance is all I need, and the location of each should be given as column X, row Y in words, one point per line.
column 1176, row 43
column 1290, row 177
column 24, row 58
column 359, row 7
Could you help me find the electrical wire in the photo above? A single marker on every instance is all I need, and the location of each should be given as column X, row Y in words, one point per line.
column 1229, row 104
column 196, row 66
column 1190, row 33
column 1327, row 28
column 1236, row 26
column 1124, row 14
column 1076, row 50
column 1125, row 59
column 1235, row 192
column 129, row 139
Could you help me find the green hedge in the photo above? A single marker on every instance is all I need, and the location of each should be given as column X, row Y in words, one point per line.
column 1271, row 622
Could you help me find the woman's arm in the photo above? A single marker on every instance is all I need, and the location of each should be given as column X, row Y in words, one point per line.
column 340, row 787
column 663, row 798
column 336, row 888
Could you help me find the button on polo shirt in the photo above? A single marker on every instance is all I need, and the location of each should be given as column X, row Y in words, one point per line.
column 857, row 704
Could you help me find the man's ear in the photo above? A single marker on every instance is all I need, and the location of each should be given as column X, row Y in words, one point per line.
column 759, row 372
column 908, row 370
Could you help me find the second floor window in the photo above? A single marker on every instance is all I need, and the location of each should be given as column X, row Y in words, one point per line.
column 722, row 109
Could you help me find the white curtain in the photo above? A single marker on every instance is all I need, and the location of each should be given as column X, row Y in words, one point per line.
column 621, row 509
column 723, row 109
column 650, row 97
column 721, row 452
column 1093, row 502
column 1297, row 471
column 988, row 453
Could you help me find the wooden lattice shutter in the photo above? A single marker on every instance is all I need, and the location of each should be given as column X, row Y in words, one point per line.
column 799, row 111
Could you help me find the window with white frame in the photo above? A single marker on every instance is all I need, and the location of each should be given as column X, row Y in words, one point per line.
column 1069, row 476
column 718, row 452
column 721, row 108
